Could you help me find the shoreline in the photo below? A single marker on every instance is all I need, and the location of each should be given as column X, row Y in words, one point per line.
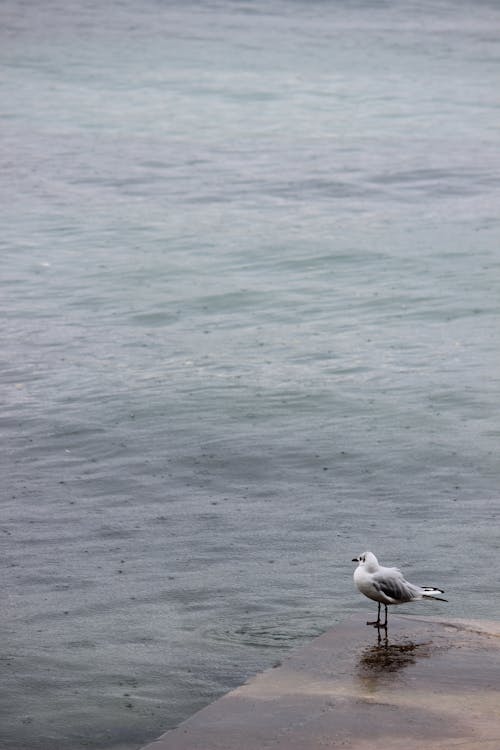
column 430, row 683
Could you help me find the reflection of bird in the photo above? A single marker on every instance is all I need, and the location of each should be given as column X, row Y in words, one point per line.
column 390, row 657
column 387, row 585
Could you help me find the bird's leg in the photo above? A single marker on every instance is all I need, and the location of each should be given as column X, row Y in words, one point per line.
column 377, row 622
column 385, row 623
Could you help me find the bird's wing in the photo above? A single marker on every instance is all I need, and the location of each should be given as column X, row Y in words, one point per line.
column 390, row 582
column 390, row 571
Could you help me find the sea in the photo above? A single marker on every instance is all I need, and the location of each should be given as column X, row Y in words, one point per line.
column 250, row 315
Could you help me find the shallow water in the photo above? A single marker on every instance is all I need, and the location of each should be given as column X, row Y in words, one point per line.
column 250, row 296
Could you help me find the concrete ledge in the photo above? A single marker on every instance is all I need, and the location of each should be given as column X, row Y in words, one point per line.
column 431, row 683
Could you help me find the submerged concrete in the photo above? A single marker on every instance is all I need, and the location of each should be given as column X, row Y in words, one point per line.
column 428, row 683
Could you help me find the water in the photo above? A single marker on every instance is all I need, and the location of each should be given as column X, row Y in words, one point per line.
column 249, row 305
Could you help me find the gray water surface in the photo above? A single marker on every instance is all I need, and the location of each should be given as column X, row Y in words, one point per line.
column 250, row 312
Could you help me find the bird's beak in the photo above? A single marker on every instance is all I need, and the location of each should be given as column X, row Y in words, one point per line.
column 355, row 559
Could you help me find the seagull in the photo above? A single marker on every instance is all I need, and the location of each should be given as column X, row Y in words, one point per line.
column 388, row 585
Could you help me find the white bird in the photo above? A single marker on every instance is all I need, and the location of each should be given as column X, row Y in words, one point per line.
column 388, row 585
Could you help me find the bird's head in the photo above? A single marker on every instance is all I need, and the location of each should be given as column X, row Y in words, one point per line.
column 367, row 559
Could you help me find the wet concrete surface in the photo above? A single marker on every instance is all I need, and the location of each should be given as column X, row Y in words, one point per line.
column 426, row 683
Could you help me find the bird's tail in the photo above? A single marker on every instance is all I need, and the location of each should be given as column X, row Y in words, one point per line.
column 429, row 592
